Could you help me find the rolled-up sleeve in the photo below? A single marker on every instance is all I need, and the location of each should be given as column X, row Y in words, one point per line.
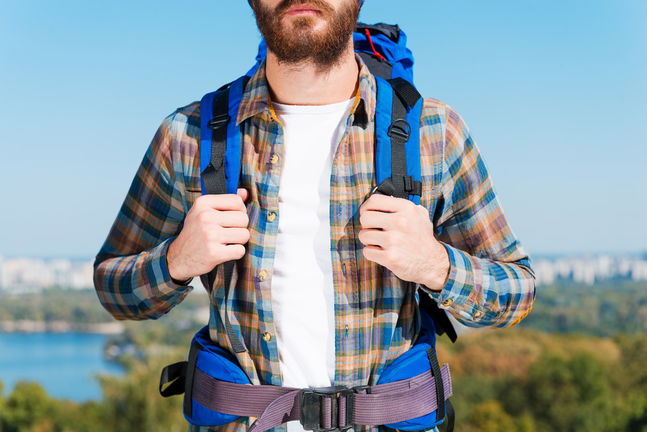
column 131, row 274
column 491, row 281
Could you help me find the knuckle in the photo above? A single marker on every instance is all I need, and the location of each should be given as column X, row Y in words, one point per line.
column 201, row 201
column 391, row 257
column 204, row 217
column 401, row 222
column 213, row 234
column 213, row 250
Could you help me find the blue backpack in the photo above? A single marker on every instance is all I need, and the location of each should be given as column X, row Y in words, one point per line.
column 212, row 381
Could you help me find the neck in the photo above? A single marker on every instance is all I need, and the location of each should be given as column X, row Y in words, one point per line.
column 307, row 84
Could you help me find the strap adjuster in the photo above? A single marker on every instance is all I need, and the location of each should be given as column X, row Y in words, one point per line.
column 311, row 402
column 413, row 187
column 218, row 121
column 400, row 128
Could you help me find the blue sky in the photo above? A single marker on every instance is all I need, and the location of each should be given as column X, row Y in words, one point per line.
column 554, row 93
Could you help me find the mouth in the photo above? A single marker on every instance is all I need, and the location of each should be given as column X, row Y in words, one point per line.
column 302, row 10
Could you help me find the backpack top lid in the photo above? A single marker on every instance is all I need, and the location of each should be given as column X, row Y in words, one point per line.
column 383, row 47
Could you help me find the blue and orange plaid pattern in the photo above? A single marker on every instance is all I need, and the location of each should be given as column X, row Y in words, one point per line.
column 491, row 281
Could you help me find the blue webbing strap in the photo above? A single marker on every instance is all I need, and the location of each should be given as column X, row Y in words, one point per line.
column 220, row 163
column 394, row 130
column 233, row 156
column 233, row 152
column 382, row 123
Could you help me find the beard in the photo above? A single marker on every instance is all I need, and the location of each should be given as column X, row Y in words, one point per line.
column 299, row 41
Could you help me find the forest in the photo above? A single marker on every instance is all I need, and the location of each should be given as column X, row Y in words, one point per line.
column 577, row 363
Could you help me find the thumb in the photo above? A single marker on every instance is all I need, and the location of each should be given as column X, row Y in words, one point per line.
column 242, row 192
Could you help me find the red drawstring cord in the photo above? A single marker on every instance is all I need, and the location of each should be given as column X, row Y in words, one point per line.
column 370, row 41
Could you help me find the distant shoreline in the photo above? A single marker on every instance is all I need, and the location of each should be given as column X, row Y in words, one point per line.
column 31, row 326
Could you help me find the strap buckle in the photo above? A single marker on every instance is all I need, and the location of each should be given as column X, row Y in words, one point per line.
column 400, row 128
column 311, row 401
column 218, row 121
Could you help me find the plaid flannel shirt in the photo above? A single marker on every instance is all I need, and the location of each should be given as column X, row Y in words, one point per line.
column 490, row 282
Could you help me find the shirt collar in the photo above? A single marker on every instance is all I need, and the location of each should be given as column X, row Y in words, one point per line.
column 256, row 97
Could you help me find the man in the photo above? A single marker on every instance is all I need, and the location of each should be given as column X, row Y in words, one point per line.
column 324, row 288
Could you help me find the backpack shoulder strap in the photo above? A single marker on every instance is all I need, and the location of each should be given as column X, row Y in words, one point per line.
column 397, row 147
column 220, row 166
column 220, row 139
column 397, row 161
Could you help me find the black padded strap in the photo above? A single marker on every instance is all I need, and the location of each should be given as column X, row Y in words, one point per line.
column 392, row 31
column 378, row 67
column 236, row 343
column 172, row 379
column 450, row 417
column 405, row 91
column 215, row 182
column 399, row 131
column 189, row 378
column 438, row 380
column 443, row 324
column 214, row 175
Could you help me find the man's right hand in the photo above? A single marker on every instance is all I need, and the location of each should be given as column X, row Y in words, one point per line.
column 214, row 231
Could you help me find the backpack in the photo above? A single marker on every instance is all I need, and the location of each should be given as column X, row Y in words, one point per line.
column 397, row 158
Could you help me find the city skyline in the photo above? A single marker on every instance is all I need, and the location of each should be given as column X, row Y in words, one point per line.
column 28, row 274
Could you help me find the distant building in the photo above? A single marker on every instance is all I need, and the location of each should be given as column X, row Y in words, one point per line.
column 589, row 269
column 29, row 274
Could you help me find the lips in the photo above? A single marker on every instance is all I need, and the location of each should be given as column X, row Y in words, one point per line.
column 302, row 9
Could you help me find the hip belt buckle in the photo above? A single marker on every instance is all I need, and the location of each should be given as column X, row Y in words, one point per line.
column 311, row 401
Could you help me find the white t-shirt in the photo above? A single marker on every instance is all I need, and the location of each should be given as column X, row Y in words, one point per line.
column 302, row 286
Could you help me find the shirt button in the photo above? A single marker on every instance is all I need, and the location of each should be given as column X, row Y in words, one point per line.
column 275, row 158
column 262, row 274
column 478, row 314
column 448, row 302
column 271, row 216
column 343, row 268
column 267, row 336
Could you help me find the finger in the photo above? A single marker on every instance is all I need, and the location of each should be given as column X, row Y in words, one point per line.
column 372, row 237
column 234, row 235
column 374, row 253
column 233, row 252
column 384, row 203
column 243, row 193
column 221, row 202
column 376, row 219
column 232, row 219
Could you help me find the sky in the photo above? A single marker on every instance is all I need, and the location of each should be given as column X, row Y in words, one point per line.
column 554, row 93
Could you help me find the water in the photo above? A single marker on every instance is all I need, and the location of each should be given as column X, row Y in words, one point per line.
column 63, row 363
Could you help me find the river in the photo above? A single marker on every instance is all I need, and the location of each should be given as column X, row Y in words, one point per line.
column 63, row 363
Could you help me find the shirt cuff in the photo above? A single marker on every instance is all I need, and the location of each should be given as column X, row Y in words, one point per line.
column 455, row 294
column 155, row 279
column 163, row 258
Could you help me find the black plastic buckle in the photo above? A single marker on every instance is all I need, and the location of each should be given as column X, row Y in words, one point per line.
column 218, row 121
column 401, row 129
column 311, row 400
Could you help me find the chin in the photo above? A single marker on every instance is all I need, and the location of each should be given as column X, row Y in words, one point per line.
column 309, row 23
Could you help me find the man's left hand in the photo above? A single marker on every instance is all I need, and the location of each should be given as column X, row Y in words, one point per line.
column 399, row 235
